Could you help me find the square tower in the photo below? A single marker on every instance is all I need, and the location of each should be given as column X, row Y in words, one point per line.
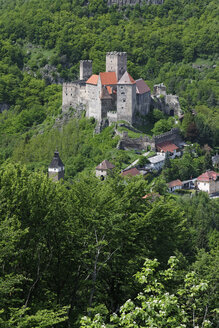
column 56, row 168
column 126, row 98
column 116, row 62
column 85, row 69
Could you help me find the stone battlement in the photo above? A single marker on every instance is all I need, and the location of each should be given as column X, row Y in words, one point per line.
column 113, row 53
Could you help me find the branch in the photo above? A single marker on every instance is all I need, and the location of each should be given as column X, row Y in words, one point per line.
column 206, row 311
column 193, row 318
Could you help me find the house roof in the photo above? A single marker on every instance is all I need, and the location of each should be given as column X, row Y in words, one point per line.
column 167, row 146
column 207, row 176
column 109, row 89
column 93, row 79
column 104, row 93
column 141, row 87
column 156, row 159
column 175, row 183
column 152, row 194
column 108, row 78
column 126, row 79
column 131, row 172
column 56, row 161
column 105, row 165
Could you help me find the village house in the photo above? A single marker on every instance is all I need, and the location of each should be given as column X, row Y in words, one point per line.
column 156, row 162
column 209, row 182
column 175, row 185
column 132, row 172
column 171, row 148
column 103, row 169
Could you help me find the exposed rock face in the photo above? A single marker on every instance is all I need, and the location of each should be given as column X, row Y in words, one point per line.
column 4, row 107
column 134, row 2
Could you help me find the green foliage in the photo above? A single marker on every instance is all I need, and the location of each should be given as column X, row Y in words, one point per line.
column 190, row 165
column 157, row 306
column 163, row 125
column 143, row 160
column 68, row 240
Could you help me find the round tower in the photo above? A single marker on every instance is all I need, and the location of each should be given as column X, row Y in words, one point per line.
column 56, row 168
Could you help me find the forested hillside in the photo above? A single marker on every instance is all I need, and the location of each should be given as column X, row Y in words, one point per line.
column 43, row 41
column 91, row 253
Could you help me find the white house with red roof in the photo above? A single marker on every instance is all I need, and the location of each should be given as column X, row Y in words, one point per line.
column 175, row 185
column 170, row 147
column 209, row 182
column 113, row 94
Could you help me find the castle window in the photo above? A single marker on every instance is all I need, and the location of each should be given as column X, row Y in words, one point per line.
column 123, row 100
column 71, row 94
column 122, row 93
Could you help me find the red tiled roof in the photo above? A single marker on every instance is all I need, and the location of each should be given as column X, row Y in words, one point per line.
column 108, row 78
column 131, row 172
column 93, row 79
column 109, row 89
column 153, row 194
column 105, row 165
column 126, row 79
column 208, row 175
column 104, row 93
column 167, row 146
column 175, row 183
column 141, row 86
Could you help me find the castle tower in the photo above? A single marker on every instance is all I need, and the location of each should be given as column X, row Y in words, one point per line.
column 116, row 62
column 56, row 168
column 126, row 98
column 85, row 69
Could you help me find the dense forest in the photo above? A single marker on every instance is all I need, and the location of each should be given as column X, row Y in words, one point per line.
column 91, row 253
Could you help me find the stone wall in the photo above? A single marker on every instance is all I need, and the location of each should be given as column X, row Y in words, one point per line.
column 170, row 136
column 112, row 117
column 142, row 142
column 143, row 103
column 135, row 143
column 167, row 103
column 73, row 95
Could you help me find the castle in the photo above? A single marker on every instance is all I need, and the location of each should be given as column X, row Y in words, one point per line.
column 112, row 95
